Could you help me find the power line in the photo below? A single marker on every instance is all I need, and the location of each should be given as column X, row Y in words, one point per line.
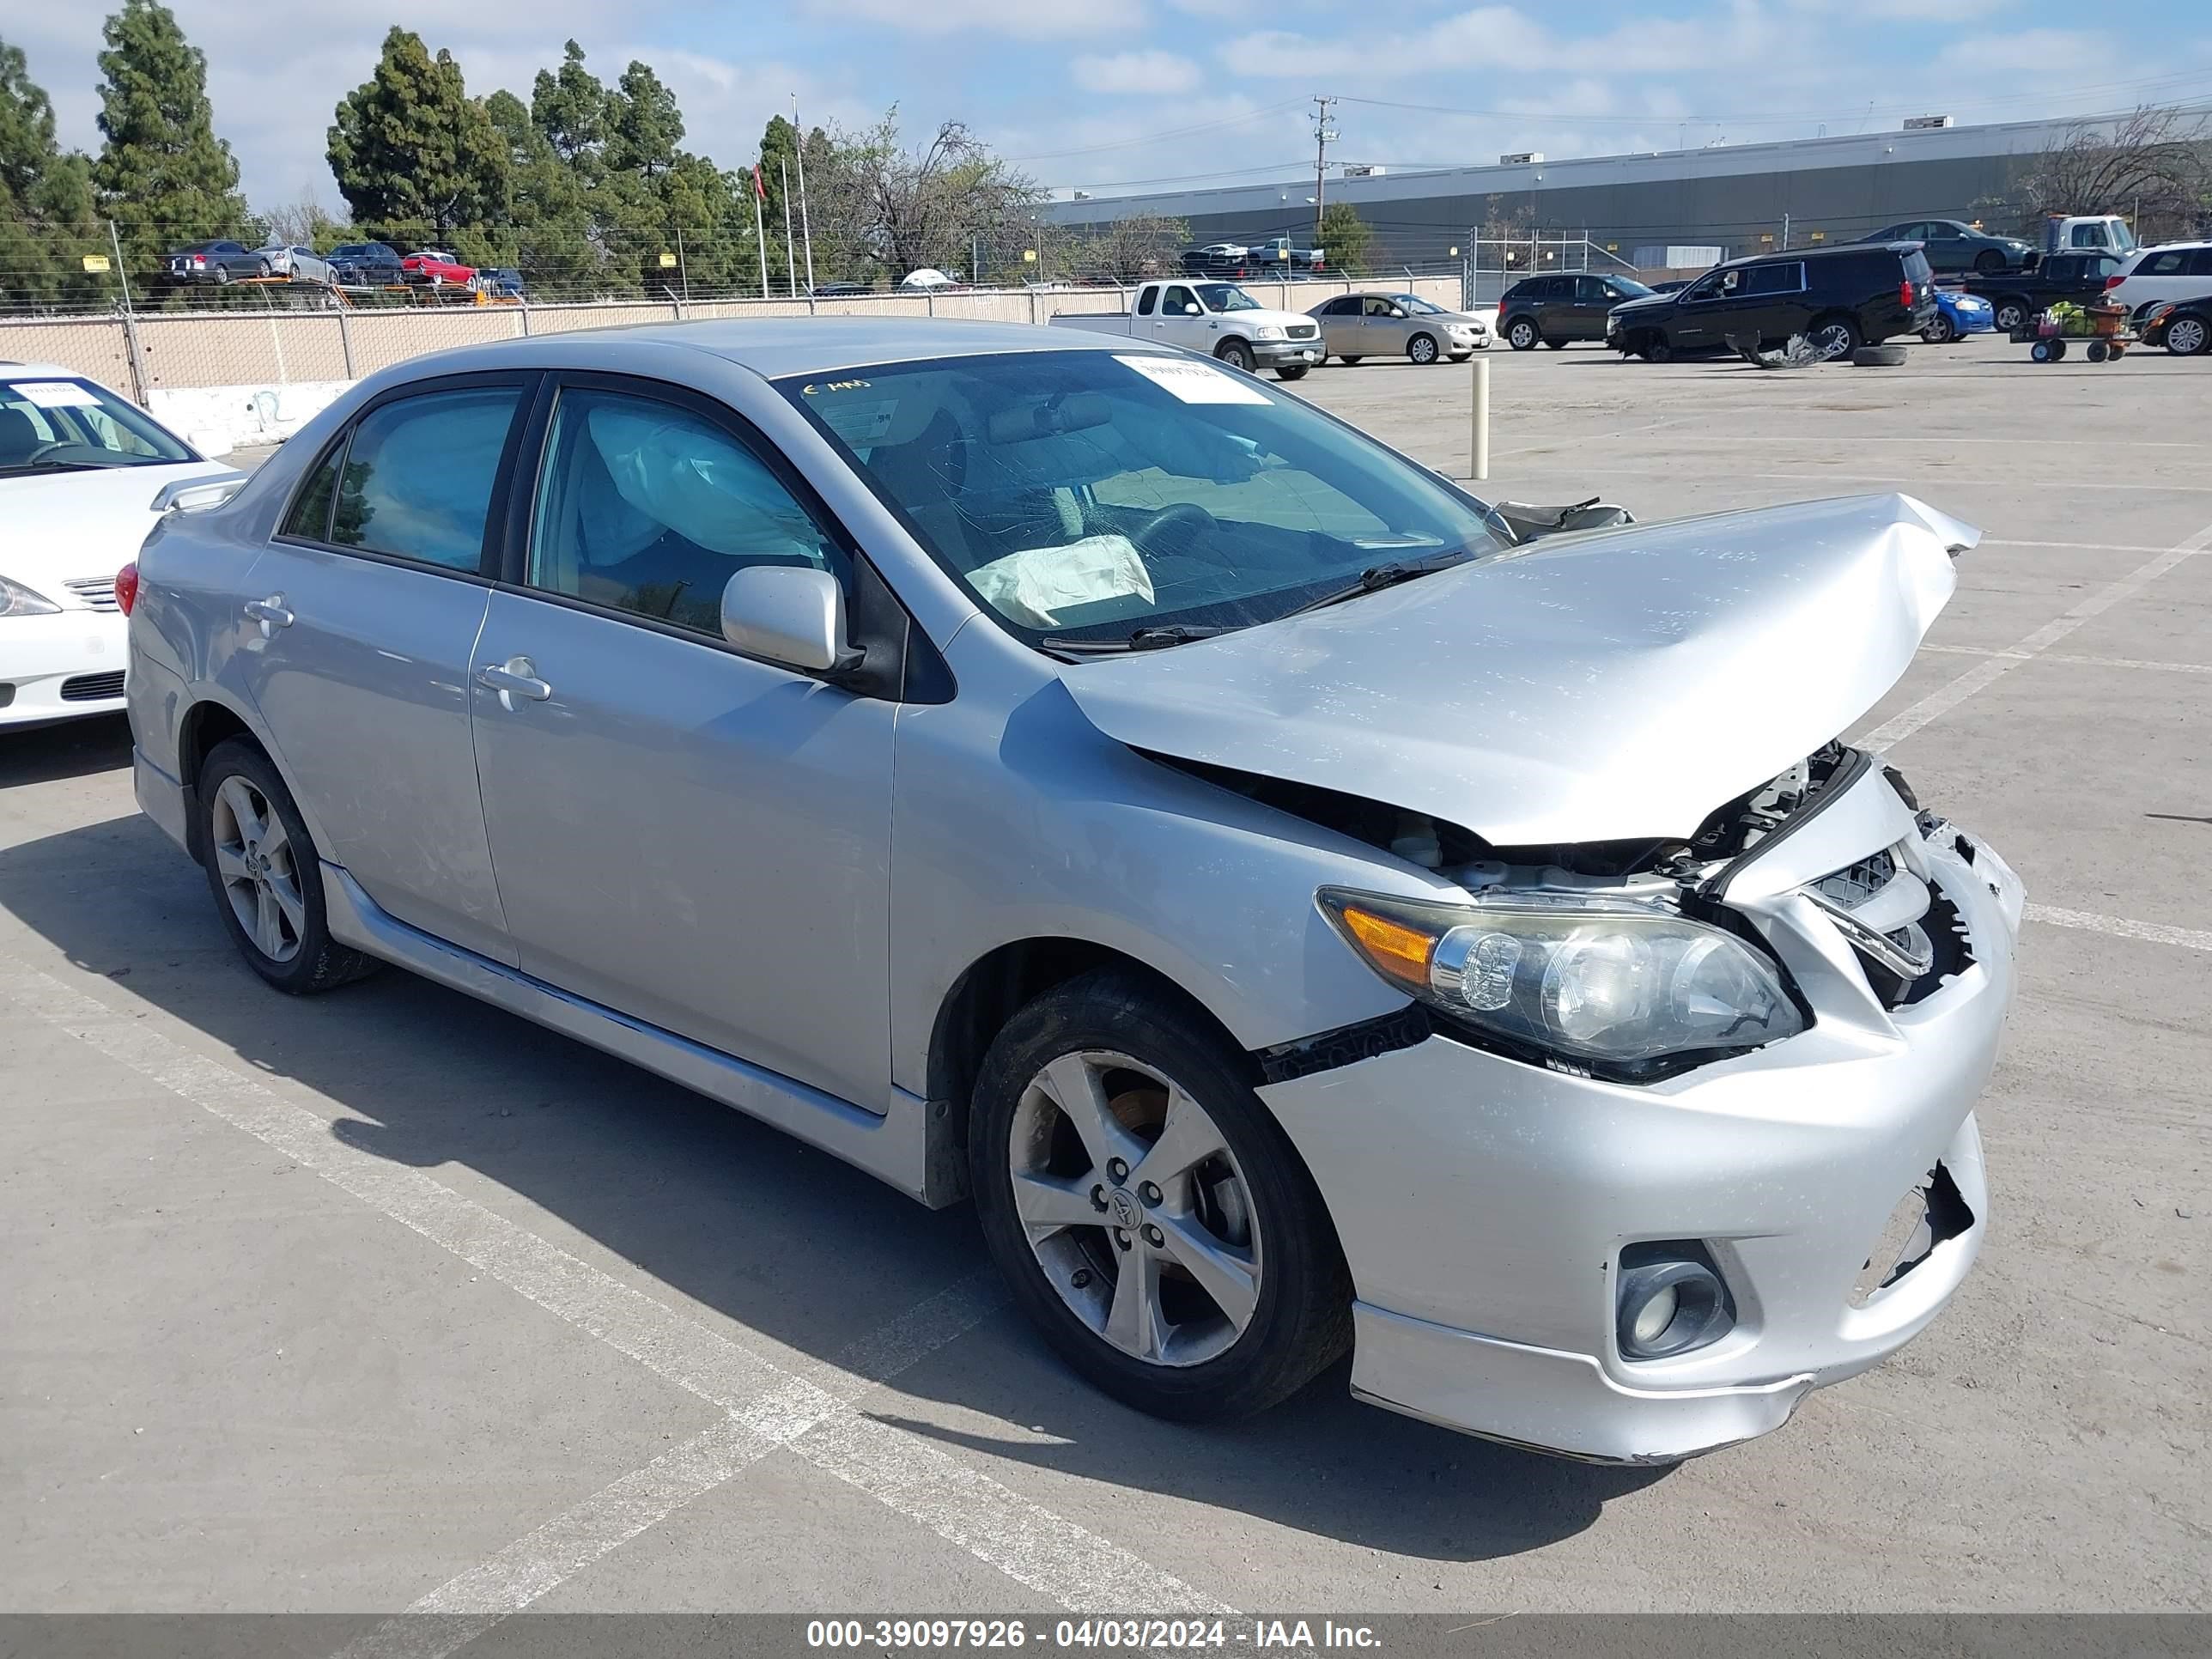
column 1163, row 133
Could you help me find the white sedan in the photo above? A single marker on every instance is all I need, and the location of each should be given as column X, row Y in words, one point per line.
column 84, row 473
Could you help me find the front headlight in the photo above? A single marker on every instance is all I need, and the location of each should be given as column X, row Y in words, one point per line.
column 1267, row 331
column 17, row 600
column 1601, row 984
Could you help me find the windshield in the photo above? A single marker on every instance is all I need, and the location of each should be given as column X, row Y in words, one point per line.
column 1085, row 494
column 2122, row 238
column 68, row 425
column 1416, row 305
column 1628, row 287
column 1226, row 296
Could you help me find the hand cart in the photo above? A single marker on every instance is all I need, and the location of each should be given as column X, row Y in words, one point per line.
column 2100, row 329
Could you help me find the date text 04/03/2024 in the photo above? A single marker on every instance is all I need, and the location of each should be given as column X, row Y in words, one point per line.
column 1087, row 1635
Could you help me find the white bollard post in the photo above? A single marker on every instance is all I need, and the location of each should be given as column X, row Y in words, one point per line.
column 1481, row 415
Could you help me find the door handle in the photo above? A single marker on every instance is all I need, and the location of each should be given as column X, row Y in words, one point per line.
column 515, row 677
column 270, row 613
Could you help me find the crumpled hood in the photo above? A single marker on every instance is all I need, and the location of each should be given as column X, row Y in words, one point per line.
column 1596, row 687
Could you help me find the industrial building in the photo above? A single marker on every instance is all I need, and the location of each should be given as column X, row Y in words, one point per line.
column 1738, row 198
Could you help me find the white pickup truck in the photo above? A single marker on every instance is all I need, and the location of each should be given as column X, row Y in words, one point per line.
column 1218, row 319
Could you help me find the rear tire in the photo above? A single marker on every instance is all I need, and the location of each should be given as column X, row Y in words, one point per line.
column 1988, row 262
column 1555, row 345
column 1347, row 361
column 1835, row 337
column 1126, row 1058
column 1521, row 334
column 2011, row 314
column 2188, row 337
column 1421, row 349
column 1235, row 354
column 266, row 875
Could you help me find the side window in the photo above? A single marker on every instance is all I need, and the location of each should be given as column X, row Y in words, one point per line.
column 647, row 507
column 1788, row 277
column 1377, row 308
column 1178, row 299
column 310, row 517
column 1147, row 301
column 418, row 475
column 2172, row 263
column 2200, row 262
column 2086, row 236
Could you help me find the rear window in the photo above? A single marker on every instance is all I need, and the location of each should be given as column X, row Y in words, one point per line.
column 1917, row 268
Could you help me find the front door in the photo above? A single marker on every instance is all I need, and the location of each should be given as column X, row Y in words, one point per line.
column 358, row 633
column 1182, row 321
column 698, row 839
column 1709, row 311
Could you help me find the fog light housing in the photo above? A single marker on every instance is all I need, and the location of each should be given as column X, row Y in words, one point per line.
column 1671, row 1300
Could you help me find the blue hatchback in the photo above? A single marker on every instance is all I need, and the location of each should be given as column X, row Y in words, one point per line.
column 1958, row 313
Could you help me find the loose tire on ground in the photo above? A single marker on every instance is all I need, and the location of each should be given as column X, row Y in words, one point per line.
column 1878, row 356
column 1121, row 1052
column 261, row 864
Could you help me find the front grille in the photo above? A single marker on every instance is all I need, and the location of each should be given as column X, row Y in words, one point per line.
column 1908, row 937
column 92, row 688
column 98, row 592
column 1303, row 330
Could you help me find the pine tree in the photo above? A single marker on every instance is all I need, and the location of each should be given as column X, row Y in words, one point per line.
column 161, row 173
column 416, row 159
column 46, row 219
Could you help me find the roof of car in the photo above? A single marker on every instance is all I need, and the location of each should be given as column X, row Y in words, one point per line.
column 16, row 371
column 776, row 346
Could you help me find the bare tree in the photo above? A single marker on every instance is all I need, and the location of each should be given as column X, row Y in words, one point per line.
column 1124, row 250
column 929, row 206
column 2153, row 166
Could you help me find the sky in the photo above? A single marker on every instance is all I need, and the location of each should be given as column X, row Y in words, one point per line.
column 1131, row 96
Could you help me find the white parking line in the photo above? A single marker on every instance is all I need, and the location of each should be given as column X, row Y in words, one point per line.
column 2068, row 657
column 1941, row 701
column 770, row 1405
column 2080, row 547
column 2189, row 938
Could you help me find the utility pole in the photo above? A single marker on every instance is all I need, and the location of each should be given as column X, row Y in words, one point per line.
column 1324, row 134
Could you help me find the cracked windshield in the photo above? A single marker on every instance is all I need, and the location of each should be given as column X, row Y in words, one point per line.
column 1082, row 496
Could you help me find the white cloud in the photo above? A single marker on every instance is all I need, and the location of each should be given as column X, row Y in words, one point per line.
column 1150, row 73
column 1031, row 19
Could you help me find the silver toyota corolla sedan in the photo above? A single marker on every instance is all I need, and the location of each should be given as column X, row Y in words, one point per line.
column 1385, row 325
column 1306, row 907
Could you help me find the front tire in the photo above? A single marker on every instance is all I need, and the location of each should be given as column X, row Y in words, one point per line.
column 1421, row 349
column 1235, row 354
column 1655, row 349
column 1147, row 1210
column 266, row 876
column 1940, row 332
column 1522, row 336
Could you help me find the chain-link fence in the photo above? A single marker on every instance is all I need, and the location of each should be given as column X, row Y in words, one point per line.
column 148, row 352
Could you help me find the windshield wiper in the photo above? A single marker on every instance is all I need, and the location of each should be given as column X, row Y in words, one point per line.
column 56, row 466
column 1145, row 639
column 1375, row 578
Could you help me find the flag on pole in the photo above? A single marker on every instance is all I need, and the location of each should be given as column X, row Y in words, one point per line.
column 760, row 189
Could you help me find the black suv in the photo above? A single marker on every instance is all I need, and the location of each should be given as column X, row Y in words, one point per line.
column 366, row 264
column 1554, row 310
column 1841, row 298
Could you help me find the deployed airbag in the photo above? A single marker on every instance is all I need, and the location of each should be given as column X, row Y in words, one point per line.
column 675, row 473
column 1032, row 586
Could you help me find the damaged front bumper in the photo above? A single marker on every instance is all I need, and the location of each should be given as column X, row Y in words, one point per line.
column 1484, row 1203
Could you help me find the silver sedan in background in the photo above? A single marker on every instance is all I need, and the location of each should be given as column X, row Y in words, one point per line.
column 1303, row 914
column 1384, row 324
column 301, row 265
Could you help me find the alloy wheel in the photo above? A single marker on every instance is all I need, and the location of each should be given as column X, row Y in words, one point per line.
column 1135, row 1208
column 2185, row 338
column 260, row 876
column 1833, row 340
column 1423, row 349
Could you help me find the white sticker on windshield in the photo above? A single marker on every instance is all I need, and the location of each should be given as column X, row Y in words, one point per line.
column 56, row 394
column 861, row 425
column 1195, row 382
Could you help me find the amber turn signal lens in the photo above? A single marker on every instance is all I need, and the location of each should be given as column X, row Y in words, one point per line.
column 1400, row 951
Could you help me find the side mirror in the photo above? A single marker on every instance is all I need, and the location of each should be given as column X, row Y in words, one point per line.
column 791, row 614
column 1193, row 311
column 1398, row 311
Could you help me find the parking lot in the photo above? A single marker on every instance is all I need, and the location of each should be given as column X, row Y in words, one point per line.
column 387, row 1300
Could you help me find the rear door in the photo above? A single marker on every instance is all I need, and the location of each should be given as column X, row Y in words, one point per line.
column 362, row 620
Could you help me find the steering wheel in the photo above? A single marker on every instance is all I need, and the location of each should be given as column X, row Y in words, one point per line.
column 39, row 452
column 1174, row 529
